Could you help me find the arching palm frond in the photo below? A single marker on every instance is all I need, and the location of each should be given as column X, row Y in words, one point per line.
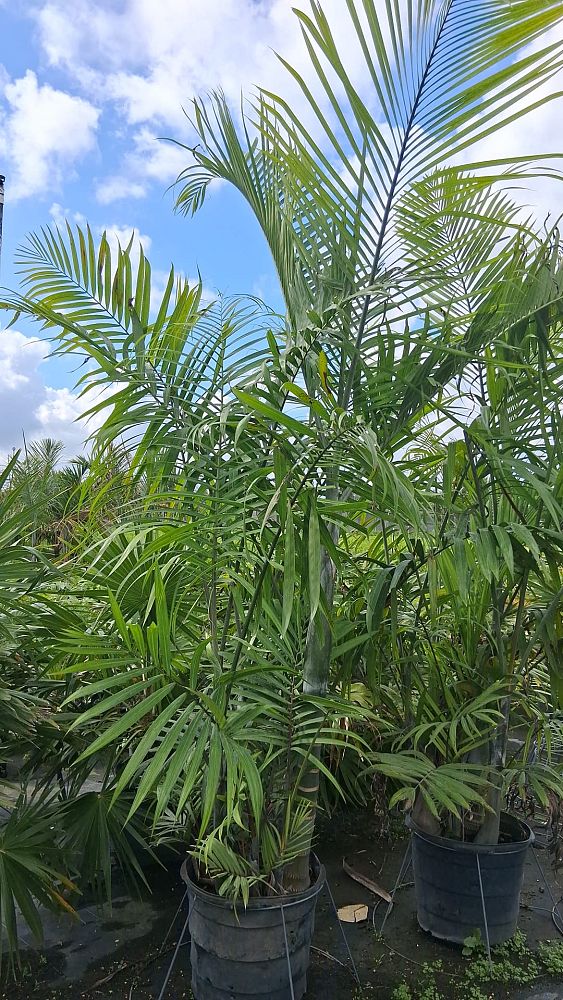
column 444, row 74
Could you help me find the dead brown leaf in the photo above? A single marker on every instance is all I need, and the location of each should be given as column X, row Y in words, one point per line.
column 368, row 883
column 354, row 913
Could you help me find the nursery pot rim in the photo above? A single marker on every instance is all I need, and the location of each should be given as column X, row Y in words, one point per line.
column 450, row 844
column 258, row 902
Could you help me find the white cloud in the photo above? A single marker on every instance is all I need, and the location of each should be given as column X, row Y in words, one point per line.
column 117, row 235
column 61, row 215
column 120, row 236
column 157, row 158
column 60, row 406
column 43, row 132
column 20, row 356
column 30, row 407
column 76, row 40
column 151, row 158
column 33, row 409
column 153, row 65
column 537, row 133
column 118, row 188
column 149, row 68
column 57, row 414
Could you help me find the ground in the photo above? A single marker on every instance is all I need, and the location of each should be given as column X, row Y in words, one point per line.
column 125, row 954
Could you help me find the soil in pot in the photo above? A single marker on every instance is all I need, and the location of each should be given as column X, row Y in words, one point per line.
column 239, row 953
column 449, row 875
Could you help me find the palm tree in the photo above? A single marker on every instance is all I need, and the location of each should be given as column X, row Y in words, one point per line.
column 69, row 501
column 362, row 219
column 267, row 447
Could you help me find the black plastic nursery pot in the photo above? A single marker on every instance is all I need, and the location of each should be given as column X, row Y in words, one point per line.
column 448, row 875
column 239, row 952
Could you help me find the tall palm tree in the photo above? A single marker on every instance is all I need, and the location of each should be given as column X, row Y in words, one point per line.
column 361, row 217
column 278, row 441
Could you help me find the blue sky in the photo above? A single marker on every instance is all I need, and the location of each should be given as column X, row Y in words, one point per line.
column 83, row 98
column 85, row 90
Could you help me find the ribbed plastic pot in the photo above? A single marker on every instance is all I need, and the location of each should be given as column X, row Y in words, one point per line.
column 239, row 953
column 447, row 885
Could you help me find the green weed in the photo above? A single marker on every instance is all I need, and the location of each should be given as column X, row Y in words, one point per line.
column 551, row 956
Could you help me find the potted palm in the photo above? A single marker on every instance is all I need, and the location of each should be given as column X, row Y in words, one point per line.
column 480, row 629
column 183, row 669
column 271, row 452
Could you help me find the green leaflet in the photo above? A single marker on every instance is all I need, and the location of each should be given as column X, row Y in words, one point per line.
column 288, row 569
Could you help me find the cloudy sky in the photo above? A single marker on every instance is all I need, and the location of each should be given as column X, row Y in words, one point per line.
column 86, row 89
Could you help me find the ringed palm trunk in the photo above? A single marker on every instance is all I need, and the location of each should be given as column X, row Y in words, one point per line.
column 316, row 671
column 489, row 830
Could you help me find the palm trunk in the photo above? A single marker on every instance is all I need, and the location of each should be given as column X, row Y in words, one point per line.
column 316, row 670
column 423, row 818
column 489, row 830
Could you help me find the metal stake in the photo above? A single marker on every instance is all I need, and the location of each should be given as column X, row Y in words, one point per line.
column 175, row 955
column 339, row 922
column 174, row 918
column 485, row 921
column 291, row 990
column 402, row 872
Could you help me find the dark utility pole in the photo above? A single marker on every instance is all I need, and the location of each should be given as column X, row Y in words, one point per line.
column 2, row 179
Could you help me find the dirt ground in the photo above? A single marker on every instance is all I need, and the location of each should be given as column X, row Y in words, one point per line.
column 126, row 954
